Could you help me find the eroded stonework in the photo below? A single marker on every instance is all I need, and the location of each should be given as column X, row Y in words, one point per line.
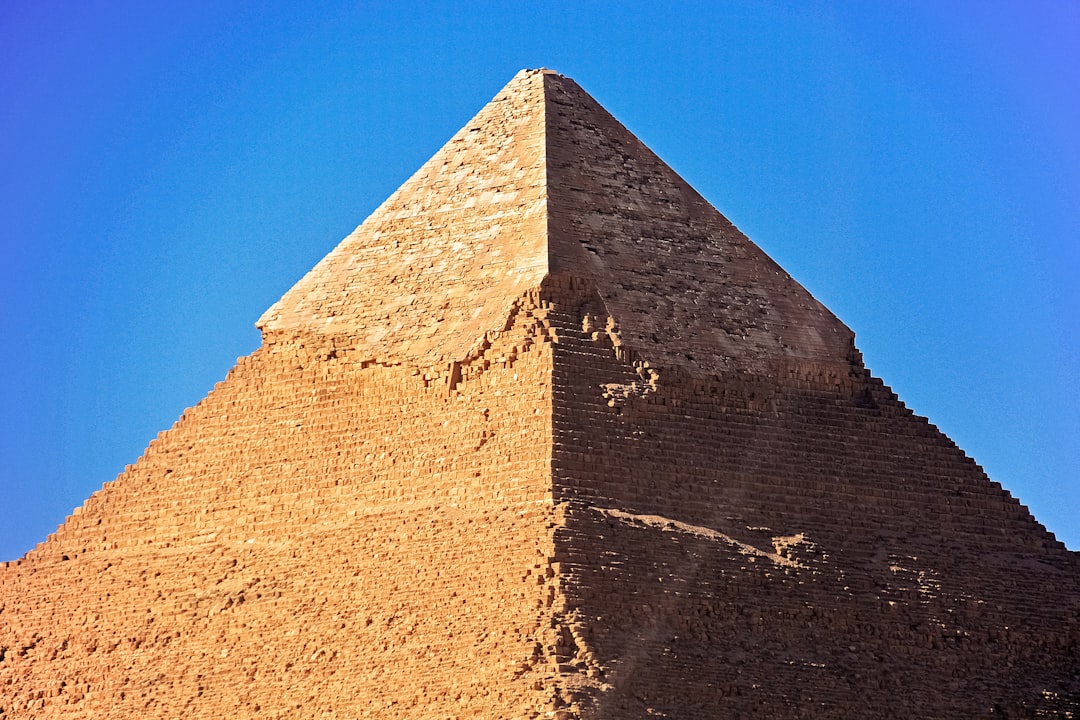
column 546, row 437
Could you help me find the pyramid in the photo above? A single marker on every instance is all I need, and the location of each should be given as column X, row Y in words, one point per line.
column 546, row 437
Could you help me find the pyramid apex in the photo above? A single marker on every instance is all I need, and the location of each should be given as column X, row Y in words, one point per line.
column 544, row 181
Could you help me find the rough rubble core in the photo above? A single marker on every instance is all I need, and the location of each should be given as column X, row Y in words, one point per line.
column 546, row 437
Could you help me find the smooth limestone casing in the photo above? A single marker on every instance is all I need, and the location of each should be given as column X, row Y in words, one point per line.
column 546, row 437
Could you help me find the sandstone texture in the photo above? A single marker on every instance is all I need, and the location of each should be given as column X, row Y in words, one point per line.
column 546, row 437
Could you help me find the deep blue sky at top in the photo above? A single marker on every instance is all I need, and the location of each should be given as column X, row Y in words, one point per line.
column 168, row 170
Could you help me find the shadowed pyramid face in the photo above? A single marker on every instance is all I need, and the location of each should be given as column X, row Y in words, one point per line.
column 546, row 437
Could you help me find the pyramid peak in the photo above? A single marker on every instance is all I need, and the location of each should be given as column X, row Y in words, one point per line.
column 542, row 182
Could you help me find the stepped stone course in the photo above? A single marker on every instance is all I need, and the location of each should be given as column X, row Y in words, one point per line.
column 546, row 437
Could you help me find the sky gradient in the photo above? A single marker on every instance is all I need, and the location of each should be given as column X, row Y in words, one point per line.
column 169, row 170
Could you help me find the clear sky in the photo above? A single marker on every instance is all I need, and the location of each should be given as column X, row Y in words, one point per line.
column 169, row 169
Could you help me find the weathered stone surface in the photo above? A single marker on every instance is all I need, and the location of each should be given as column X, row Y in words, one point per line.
column 546, row 437
column 443, row 259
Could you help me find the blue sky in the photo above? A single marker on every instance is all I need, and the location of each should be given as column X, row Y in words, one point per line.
column 169, row 169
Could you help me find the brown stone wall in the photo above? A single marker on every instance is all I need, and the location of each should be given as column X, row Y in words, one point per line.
column 794, row 546
column 321, row 537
